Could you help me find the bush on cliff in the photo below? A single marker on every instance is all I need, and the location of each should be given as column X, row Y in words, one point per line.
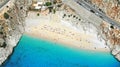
column 48, row 3
column 6, row 16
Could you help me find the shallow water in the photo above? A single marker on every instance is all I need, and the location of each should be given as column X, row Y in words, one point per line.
column 34, row 52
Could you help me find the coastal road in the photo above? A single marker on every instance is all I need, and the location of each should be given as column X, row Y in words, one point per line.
column 97, row 12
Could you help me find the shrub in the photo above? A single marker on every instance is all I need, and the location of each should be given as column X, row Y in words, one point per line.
column 38, row 14
column 48, row 3
column 50, row 9
column 6, row 16
column 54, row 11
column 74, row 16
column 64, row 14
column 68, row 15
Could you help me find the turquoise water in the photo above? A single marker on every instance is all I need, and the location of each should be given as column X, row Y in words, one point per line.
column 33, row 52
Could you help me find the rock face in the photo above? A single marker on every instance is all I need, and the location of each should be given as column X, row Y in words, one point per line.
column 12, row 28
column 110, row 33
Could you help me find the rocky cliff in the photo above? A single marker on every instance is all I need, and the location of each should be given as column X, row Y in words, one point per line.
column 110, row 33
column 12, row 26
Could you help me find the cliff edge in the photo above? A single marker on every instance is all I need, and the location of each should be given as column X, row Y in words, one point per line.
column 12, row 16
column 110, row 32
column 13, row 13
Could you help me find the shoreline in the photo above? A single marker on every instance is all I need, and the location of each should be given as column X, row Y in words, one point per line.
column 59, row 31
column 2, row 65
column 68, row 45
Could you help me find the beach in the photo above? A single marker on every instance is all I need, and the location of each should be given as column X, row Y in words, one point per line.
column 52, row 28
column 36, row 52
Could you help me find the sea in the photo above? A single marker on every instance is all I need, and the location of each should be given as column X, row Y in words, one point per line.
column 36, row 52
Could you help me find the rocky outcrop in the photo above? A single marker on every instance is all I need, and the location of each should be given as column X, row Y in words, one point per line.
column 111, row 35
column 12, row 28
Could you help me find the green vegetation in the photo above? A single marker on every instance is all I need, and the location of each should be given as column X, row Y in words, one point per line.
column 54, row 1
column 50, row 9
column 4, row 45
column 59, row 5
column 74, row 16
column 64, row 14
column 54, row 11
column 21, row 7
column 1, row 32
column 6, row 16
column 68, row 15
column 48, row 3
column 38, row 14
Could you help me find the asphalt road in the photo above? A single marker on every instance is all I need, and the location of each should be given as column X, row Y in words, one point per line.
column 97, row 12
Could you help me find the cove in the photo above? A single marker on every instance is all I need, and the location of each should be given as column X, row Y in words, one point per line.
column 34, row 52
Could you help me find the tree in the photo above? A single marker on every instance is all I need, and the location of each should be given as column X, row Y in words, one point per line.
column 64, row 14
column 50, row 9
column 6, row 16
column 38, row 14
column 48, row 3
column 21, row 7
column 68, row 15
column 74, row 16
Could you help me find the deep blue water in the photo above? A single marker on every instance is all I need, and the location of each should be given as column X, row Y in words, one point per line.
column 33, row 52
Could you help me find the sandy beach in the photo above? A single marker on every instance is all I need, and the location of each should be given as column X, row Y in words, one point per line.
column 52, row 28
